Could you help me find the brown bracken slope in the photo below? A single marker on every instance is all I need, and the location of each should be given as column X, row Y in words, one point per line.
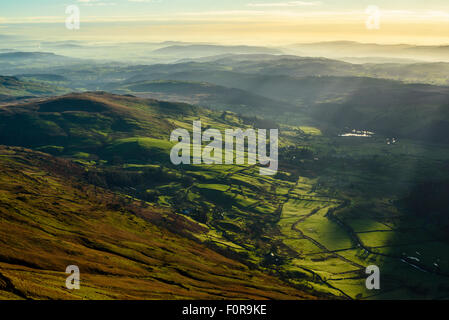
column 50, row 218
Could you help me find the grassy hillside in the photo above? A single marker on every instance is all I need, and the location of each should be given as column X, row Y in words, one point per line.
column 333, row 208
column 12, row 88
column 86, row 122
column 50, row 218
column 97, row 125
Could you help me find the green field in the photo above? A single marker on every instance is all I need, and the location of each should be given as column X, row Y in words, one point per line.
column 333, row 208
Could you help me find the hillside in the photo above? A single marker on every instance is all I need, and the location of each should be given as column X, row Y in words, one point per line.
column 34, row 56
column 204, row 94
column 384, row 106
column 85, row 122
column 330, row 210
column 411, row 72
column 50, row 218
column 297, row 66
column 52, row 78
column 393, row 109
column 12, row 88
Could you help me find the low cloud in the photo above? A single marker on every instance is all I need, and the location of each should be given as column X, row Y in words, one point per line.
column 286, row 4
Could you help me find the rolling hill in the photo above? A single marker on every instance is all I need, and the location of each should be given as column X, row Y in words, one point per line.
column 11, row 88
column 388, row 107
column 318, row 218
column 203, row 50
column 338, row 49
column 204, row 94
column 37, row 57
column 28, row 62
column 86, row 122
column 392, row 109
column 297, row 66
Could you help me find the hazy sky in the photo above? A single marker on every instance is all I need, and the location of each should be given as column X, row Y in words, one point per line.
column 231, row 21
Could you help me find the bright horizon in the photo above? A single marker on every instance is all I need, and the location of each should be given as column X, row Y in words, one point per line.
column 258, row 22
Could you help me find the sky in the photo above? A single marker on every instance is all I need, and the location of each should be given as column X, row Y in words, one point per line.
column 232, row 21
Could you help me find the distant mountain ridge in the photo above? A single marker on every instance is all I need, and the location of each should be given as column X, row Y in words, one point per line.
column 204, row 94
column 337, row 49
column 197, row 50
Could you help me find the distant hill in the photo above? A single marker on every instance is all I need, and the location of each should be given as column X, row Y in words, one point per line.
column 13, row 88
column 410, row 71
column 384, row 106
column 198, row 50
column 35, row 56
column 204, row 94
column 338, row 49
column 391, row 108
column 266, row 65
column 31, row 62
column 42, row 77
column 299, row 91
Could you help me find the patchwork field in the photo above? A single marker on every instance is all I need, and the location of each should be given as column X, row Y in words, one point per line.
column 336, row 205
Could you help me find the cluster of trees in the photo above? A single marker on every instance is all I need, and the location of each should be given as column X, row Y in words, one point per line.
column 258, row 123
column 294, row 154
